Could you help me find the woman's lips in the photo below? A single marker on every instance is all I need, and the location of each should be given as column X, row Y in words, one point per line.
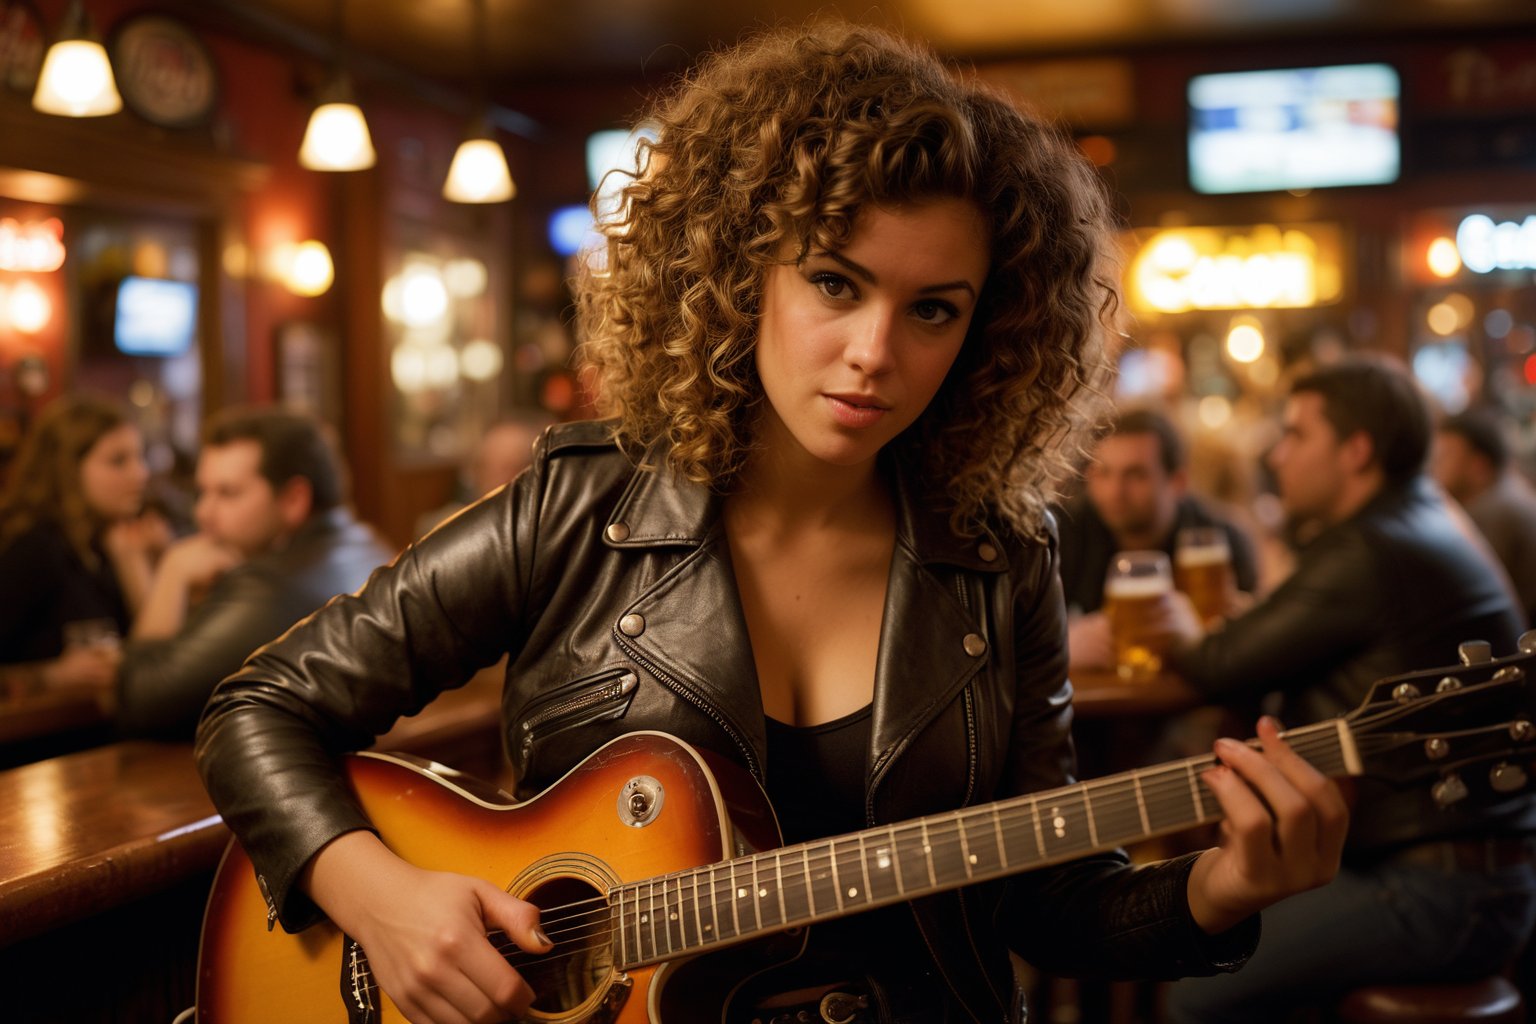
column 856, row 410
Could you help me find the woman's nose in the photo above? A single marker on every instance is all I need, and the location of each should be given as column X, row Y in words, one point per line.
column 870, row 348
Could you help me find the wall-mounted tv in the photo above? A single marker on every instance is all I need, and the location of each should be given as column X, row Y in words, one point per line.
column 154, row 316
column 1297, row 128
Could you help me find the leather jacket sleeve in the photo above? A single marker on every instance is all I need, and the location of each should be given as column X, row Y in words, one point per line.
column 1097, row 916
column 1313, row 621
column 266, row 745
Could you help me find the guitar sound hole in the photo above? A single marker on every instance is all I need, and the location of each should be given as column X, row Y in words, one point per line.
column 576, row 918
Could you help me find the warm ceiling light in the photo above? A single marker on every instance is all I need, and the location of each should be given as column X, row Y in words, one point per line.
column 76, row 80
column 479, row 173
column 337, row 138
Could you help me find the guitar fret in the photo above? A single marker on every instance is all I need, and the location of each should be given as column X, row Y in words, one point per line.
column 651, row 916
column 810, row 895
column 1194, row 790
column 698, row 921
column 1093, row 832
column 869, row 890
column 1034, row 803
column 928, row 851
column 778, row 870
column 1141, row 802
column 997, row 829
column 837, row 883
column 965, row 851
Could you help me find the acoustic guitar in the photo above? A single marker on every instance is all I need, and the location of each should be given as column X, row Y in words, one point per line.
column 661, row 882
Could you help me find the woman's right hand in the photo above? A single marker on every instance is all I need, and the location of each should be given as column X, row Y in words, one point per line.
column 425, row 931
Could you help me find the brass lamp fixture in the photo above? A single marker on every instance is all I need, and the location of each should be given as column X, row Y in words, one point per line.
column 76, row 79
column 337, row 137
column 479, row 172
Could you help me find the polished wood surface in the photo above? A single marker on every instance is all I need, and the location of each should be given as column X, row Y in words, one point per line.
column 1103, row 694
column 99, row 828
column 33, row 715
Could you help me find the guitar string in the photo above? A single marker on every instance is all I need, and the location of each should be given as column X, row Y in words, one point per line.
column 821, row 855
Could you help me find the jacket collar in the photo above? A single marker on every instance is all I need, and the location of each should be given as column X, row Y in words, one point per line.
column 660, row 509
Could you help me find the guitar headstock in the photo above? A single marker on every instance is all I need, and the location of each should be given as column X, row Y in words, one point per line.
column 1468, row 727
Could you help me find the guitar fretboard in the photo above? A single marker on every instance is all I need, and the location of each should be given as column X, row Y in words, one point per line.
column 717, row 904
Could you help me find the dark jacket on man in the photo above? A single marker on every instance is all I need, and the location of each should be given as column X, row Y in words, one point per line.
column 1393, row 589
column 586, row 569
column 163, row 684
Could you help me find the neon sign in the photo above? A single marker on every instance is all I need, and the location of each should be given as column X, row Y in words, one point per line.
column 32, row 248
column 1262, row 267
column 1486, row 246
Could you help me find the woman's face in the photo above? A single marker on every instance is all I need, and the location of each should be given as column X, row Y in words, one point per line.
column 852, row 345
column 113, row 474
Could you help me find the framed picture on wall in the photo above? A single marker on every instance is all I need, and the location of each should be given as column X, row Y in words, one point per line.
column 309, row 370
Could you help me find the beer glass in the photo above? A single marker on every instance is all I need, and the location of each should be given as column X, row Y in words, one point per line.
column 1136, row 582
column 1202, row 568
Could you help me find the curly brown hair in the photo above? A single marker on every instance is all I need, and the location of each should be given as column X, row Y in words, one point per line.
column 44, row 484
column 784, row 139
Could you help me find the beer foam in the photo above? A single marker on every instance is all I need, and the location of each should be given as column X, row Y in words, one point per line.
column 1121, row 587
column 1205, row 554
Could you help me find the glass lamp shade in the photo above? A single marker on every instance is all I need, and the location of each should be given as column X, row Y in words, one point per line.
column 479, row 174
column 337, row 139
column 76, row 81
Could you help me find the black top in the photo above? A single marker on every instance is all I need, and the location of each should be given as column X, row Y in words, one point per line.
column 816, row 779
column 1087, row 546
column 43, row 585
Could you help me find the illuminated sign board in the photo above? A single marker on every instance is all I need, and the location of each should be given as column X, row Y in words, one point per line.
column 1486, row 245
column 36, row 247
column 1261, row 267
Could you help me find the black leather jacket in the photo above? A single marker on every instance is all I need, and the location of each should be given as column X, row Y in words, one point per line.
column 586, row 567
column 163, row 684
column 1392, row 589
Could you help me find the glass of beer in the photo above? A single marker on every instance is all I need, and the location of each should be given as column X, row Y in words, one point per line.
column 1202, row 568
column 1137, row 580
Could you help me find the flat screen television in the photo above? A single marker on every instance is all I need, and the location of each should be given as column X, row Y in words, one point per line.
column 1296, row 128
column 154, row 317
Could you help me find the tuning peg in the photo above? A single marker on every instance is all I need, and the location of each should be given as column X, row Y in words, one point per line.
column 1474, row 652
column 1506, row 778
column 1449, row 790
column 1528, row 642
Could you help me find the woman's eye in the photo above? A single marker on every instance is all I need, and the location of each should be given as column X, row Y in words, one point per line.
column 935, row 313
column 833, row 286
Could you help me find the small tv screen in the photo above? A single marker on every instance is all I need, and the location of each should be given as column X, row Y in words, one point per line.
column 154, row 316
column 1297, row 128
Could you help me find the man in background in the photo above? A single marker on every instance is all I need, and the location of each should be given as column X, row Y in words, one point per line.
column 1136, row 497
column 275, row 541
column 1389, row 583
column 1472, row 462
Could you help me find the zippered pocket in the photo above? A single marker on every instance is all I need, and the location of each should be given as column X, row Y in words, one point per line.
column 593, row 698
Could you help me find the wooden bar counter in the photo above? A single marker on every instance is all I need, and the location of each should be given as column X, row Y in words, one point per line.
column 1103, row 694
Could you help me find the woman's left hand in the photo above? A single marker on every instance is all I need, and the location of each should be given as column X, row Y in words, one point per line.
column 1283, row 831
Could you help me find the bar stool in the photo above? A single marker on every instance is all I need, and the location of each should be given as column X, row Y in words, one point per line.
column 1491, row 1000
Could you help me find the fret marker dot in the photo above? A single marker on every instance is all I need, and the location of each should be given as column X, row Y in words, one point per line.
column 853, row 891
column 672, row 916
column 973, row 858
column 883, row 859
column 762, row 892
column 708, row 927
column 645, row 918
column 927, row 848
column 741, row 894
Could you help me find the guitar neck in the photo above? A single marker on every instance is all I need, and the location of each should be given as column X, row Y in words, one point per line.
column 719, row 904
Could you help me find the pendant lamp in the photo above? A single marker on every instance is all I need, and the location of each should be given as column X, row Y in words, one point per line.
column 479, row 172
column 337, row 138
column 76, row 79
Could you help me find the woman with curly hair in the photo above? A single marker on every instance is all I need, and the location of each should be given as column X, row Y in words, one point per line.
column 847, row 326
column 70, row 547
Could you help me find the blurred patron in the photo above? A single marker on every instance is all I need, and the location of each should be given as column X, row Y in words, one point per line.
column 76, row 557
column 1472, row 462
column 275, row 541
column 1136, row 498
column 1387, row 584
column 504, row 451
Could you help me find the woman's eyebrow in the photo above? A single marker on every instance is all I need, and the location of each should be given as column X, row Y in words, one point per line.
column 859, row 270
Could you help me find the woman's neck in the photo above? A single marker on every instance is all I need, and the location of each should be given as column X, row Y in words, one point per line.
column 788, row 494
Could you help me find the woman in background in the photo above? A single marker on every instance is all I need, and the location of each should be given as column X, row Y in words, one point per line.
column 75, row 559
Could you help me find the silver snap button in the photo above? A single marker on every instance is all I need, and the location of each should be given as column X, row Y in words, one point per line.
column 986, row 551
column 632, row 624
column 617, row 532
column 975, row 645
